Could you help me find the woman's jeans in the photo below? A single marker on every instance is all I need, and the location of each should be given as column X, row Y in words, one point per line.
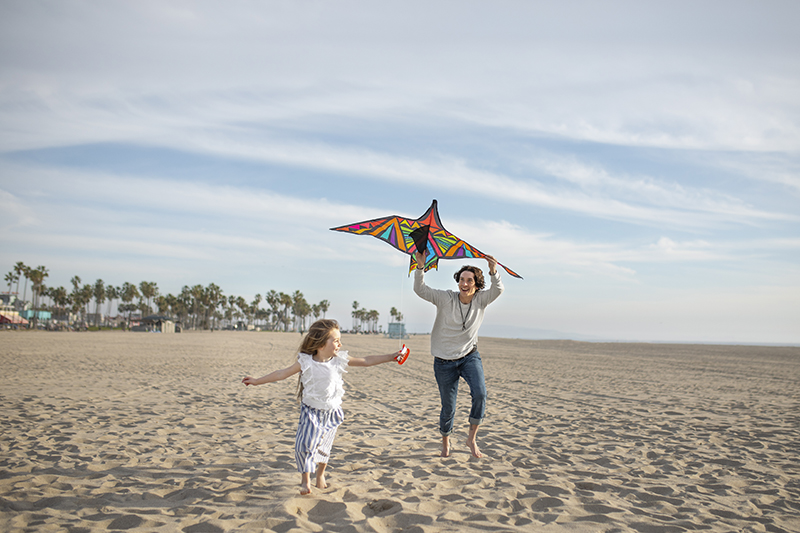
column 447, row 375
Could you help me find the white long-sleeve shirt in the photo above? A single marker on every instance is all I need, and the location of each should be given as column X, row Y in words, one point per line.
column 455, row 330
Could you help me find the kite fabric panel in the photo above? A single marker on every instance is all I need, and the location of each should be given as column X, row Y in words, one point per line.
column 424, row 233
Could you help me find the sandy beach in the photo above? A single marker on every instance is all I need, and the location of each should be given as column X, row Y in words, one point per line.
column 148, row 432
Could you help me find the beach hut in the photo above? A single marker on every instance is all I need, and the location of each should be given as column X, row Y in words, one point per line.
column 41, row 316
column 162, row 324
column 12, row 318
column 397, row 330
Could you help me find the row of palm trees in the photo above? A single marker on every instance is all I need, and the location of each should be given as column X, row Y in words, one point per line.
column 367, row 321
column 196, row 307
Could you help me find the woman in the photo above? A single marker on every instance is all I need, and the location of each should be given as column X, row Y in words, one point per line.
column 454, row 343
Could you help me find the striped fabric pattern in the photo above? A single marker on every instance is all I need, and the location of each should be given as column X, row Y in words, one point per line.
column 315, row 434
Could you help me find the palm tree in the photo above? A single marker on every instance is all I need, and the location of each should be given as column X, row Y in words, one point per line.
column 112, row 293
column 240, row 312
column 162, row 307
column 60, row 299
column 37, row 276
column 128, row 292
column 372, row 317
column 196, row 294
column 273, row 299
column 75, row 295
column 99, row 298
column 26, row 273
column 19, row 269
column 254, row 306
column 179, row 307
column 263, row 316
column 86, row 294
column 286, row 303
column 232, row 308
column 298, row 305
column 355, row 315
column 149, row 290
column 227, row 310
column 170, row 305
column 213, row 298
column 301, row 311
column 206, row 306
column 324, row 305
column 11, row 277
column 393, row 313
column 185, row 298
column 47, row 292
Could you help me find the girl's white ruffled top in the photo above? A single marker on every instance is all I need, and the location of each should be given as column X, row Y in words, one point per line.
column 323, row 386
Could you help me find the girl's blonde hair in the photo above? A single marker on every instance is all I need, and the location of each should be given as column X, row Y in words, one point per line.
column 317, row 336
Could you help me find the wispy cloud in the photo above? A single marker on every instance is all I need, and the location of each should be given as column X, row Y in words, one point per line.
column 597, row 192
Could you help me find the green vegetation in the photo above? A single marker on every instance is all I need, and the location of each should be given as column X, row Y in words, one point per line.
column 196, row 307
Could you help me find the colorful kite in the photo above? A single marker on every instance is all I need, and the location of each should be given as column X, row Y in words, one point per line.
column 424, row 233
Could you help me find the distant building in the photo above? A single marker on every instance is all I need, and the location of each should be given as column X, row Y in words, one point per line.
column 11, row 318
column 41, row 316
column 65, row 317
column 397, row 330
column 11, row 300
column 156, row 324
column 115, row 321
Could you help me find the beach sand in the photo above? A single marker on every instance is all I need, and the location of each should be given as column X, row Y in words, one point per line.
column 148, row 432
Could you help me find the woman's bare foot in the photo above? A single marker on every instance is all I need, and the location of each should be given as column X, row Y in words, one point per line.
column 445, row 446
column 472, row 441
column 473, row 447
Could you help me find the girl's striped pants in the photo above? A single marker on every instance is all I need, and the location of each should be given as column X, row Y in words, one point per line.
column 315, row 434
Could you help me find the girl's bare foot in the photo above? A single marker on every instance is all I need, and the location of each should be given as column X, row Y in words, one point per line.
column 305, row 484
column 321, row 483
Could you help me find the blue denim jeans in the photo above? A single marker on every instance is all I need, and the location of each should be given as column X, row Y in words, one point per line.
column 447, row 375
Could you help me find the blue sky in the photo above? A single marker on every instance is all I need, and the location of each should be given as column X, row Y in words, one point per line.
column 637, row 162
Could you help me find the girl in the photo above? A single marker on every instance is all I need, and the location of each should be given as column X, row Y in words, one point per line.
column 320, row 389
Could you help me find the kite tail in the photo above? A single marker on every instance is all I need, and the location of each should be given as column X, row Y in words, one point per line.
column 510, row 271
column 433, row 263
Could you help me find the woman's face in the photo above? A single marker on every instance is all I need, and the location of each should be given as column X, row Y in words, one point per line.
column 332, row 346
column 466, row 284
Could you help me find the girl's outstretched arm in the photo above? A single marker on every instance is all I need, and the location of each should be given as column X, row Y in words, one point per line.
column 372, row 360
column 277, row 375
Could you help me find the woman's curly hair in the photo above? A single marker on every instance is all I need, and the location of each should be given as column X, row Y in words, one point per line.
column 480, row 283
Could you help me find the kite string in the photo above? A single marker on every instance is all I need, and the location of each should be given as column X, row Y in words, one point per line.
column 402, row 290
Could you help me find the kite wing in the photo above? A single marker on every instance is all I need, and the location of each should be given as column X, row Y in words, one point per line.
column 426, row 234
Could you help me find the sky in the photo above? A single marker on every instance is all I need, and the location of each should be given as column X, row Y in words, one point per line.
column 638, row 163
